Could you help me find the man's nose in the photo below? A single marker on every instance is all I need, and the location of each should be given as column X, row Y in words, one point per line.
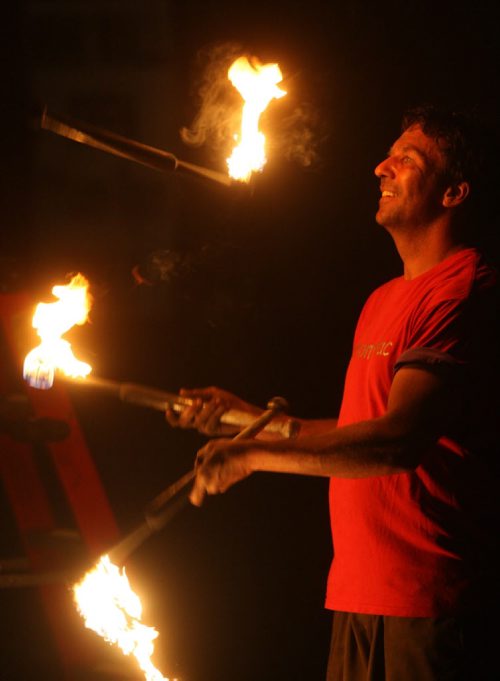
column 384, row 168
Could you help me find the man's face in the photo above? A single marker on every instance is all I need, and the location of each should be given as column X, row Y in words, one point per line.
column 411, row 182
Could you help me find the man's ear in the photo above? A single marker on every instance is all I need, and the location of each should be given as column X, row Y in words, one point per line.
column 456, row 194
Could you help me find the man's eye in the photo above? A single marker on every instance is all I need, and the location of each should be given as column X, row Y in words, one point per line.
column 407, row 159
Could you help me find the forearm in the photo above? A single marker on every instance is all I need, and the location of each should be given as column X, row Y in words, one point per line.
column 370, row 448
column 306, row 427
column 316, row 426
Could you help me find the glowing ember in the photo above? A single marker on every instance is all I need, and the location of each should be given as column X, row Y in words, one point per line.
column 257, row 84
column 109, row 607
column 52, row 320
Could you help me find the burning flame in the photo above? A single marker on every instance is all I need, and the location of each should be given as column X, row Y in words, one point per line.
column 110, row 607
column 52, row 320
column 257, row 84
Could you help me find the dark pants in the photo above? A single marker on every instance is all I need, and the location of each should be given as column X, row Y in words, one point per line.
column 378, row 648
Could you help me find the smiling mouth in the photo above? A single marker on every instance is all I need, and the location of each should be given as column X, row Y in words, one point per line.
column 386, row 194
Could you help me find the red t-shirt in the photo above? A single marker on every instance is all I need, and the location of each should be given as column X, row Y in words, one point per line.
column 412, row 544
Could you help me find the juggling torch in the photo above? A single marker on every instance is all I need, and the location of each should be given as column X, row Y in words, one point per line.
column 104, row 597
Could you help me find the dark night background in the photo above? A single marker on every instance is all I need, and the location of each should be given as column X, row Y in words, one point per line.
column 264, row 300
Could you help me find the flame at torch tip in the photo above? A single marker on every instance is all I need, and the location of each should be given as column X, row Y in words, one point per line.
column 52, row 320
column 110, row 607
column 257, row 84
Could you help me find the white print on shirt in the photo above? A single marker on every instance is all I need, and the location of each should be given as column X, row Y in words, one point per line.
column 368, row 350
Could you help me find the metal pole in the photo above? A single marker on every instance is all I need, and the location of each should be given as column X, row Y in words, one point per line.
column 153, row 398
column 124, row 147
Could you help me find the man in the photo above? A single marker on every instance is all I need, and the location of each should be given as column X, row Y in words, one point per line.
column 412, row 456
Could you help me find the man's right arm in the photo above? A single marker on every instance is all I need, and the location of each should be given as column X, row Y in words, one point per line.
column 209, row 404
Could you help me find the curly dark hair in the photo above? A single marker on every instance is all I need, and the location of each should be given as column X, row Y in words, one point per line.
column 470, row 150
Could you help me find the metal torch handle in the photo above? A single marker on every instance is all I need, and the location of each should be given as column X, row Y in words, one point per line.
column 144, row 396
column 124, row 147
column 158, row 399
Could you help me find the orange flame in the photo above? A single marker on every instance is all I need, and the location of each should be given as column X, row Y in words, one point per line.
column 52, row 320
column 110, row 607
column 257, row 84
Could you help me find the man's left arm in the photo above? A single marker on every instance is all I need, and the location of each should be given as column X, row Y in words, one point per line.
column 420, row 406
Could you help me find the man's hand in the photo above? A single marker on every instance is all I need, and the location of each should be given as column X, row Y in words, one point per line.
column 219, row 465
column 204, row 414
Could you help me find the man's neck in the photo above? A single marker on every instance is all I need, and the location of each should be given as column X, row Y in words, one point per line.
column 423, row 249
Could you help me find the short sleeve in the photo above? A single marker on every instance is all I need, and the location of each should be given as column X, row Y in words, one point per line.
column 432, row 360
